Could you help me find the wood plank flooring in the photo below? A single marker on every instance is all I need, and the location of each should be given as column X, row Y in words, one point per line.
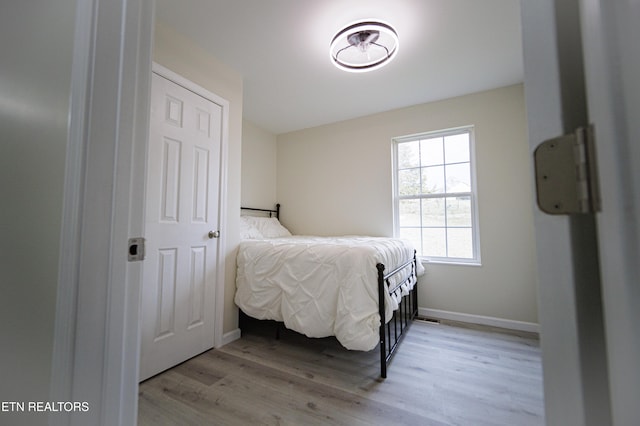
column 442, row 374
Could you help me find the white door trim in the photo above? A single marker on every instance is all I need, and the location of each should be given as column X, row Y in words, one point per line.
column 222, row 209
column 96, row 332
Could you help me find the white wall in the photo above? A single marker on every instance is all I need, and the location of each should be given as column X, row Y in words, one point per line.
column 258, row 167
column 36, row 42
column 336, row 179
column 182, row 56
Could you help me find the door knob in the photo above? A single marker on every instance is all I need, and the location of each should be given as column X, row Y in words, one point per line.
column 214, row 234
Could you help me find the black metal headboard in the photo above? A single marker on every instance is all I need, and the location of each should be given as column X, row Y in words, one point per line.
column 272, row 213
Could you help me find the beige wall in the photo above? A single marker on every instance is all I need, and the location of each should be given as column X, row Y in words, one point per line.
column 336, row 179
column 184, row 57
column 258, row 167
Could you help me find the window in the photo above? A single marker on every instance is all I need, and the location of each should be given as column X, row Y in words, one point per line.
column 435, row 195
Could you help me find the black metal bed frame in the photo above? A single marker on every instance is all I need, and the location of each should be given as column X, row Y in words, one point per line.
column 271, row 213
column 391, row 333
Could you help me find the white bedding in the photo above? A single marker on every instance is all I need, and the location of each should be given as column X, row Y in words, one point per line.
column 320, row 286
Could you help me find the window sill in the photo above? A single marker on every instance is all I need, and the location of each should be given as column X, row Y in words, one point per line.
column 426, row 261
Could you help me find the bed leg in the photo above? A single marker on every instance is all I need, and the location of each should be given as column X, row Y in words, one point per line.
column 383, row 337
column 277, row 331
column 414, row 305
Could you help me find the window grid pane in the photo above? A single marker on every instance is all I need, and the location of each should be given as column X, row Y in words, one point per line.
column 456, row 148
column 408, row 155
column 458, row 211
column 431, row 152
column 433, row 180
column 458, row 177
column 433, row 212
column 459, row 243
column 410, row 213
column 434, row 242
column 409, row 181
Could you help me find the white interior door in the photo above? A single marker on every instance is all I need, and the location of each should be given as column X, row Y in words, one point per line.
column 582, row 60
column 182, row 217
column 610, row 33
column 576, row 384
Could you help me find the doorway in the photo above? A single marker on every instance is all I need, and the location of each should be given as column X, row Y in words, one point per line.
column 182, row 222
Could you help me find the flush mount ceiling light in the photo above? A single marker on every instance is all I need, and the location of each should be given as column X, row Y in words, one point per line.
column 364, row 46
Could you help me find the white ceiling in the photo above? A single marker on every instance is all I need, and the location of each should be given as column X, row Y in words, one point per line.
column 281, row 48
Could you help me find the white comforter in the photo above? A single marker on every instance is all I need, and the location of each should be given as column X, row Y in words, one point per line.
column 320, row 286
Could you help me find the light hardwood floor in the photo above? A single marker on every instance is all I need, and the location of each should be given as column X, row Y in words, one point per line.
column 442, row 374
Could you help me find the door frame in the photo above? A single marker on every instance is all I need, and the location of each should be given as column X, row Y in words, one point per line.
column 96, row 347
column 96, row 332
column 222, row 201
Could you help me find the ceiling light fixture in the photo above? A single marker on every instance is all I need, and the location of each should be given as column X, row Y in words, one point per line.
column 364, row 46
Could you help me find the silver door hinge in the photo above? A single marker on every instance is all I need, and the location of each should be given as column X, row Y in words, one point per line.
column 135, row 249
column 566, row 174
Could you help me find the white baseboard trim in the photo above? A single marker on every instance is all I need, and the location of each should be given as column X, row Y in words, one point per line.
column 230, row 336
column 479, row 319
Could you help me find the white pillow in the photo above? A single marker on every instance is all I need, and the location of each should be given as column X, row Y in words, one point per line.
column 268, row 227
column 248, row 230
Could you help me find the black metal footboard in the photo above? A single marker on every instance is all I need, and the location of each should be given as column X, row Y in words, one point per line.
column 392, row 332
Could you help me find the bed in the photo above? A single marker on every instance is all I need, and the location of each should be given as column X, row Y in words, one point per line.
column 327, row 286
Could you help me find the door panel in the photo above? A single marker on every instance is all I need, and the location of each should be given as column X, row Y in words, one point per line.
column 165, row 300
column 181, row 208
column 170, row 178
column 197, row 286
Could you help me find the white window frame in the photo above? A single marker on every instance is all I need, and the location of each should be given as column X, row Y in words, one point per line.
column 475, row 228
